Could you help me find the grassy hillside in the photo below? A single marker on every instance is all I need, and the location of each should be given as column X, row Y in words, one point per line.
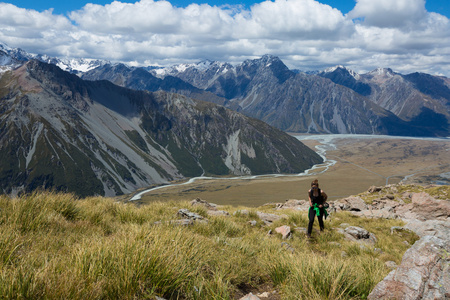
column 56, row 246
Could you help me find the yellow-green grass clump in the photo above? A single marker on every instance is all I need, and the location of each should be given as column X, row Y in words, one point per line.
column 56, row 246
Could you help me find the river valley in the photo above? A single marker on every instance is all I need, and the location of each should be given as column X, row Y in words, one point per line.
column 352, row 163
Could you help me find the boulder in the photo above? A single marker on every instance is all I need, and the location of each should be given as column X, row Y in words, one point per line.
column 207, row 205
column 284, row 230
column 437, row 228
column 185, row 213
column 351, row 203
column 424, row 273
column 360, row 235
column 428, row 208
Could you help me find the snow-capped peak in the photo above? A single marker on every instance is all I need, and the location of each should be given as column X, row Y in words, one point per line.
column 79, row 65
column 351, row 72
column 382, row 72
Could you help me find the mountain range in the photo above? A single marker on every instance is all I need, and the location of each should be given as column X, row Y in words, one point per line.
column 95, row 138
column 93, row 127
column 336, row 100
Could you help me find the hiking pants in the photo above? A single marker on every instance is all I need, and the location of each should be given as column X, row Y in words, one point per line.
column 311, row 215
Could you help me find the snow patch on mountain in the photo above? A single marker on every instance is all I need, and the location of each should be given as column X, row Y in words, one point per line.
column 351, row 72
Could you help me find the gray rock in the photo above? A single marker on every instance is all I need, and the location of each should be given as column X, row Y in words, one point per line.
column 358, row 234
column 205, row 204
column 185, row 213
column 436, row 228
column 351, row 203
column 429, row 208
column 423, row 273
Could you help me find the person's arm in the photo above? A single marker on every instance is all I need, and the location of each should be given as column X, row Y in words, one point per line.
column 325, row 196
column 309, row 197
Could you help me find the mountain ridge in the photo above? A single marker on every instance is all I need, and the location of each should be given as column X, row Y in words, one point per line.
column 93, row 137
column 420, row 103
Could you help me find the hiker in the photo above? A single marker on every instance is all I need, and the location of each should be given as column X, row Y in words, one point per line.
column 317, row 200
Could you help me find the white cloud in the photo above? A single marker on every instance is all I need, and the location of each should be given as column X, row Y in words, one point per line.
column 305, row 34
column 389, row 13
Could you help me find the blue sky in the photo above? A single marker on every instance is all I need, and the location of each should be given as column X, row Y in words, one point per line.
column 64, row 6
column 405, row 35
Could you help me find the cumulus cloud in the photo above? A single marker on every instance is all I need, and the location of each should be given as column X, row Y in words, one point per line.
column 388, row 13
column 305, row 34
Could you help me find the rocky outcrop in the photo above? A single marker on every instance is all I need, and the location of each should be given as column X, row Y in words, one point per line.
column 424, row 273
column 351, row 204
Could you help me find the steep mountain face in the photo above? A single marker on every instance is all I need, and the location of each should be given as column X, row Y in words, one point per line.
column 349, row 78
column 93, row 137
column 266, row 89
column 415, row 104
column 420, row 99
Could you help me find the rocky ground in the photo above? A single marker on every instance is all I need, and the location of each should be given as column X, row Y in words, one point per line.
column 424, row 272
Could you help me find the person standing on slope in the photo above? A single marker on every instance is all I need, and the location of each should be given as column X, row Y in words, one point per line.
column 317, row 199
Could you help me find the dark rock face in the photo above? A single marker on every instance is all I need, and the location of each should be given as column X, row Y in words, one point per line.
column 337, row 100
column 379, row 102
column 93, row 137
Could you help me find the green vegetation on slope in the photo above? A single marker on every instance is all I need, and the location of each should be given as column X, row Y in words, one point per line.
column 55, row 246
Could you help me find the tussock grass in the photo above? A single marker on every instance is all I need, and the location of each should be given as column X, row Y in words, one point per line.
column 56, row 246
